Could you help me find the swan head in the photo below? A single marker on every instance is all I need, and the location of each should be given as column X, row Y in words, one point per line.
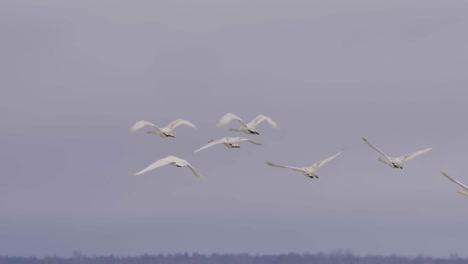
column 310, row 173
column 168, row 134
column 396, row 165
column 234, row 145
column 253, row 132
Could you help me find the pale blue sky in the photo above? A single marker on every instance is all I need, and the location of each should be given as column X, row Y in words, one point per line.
column 76, row 75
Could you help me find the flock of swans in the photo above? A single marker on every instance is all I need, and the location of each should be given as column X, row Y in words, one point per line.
column 251, row 129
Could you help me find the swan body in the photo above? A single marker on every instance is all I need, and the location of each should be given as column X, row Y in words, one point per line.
column 465, row 188
column 248, row 128
column 230, row 142
column 172, row 160
column 163, row 132
column 396, row 162
column 311, row 171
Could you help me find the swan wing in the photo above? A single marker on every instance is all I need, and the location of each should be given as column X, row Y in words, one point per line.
column 239, row 139
column 157, row 164
column 453, row 180
column 211, row 143
column 140, row 124
column 378, row 150
column 179, row 122
column 227, row 118
column 409, row 156
column 195, row 172
column 463, row 192
column 260, row 118
column 255, row 142
column 286, row 167
column 322, row 162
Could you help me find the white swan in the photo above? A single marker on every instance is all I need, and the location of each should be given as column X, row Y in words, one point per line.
column 397, row 162
column 163, row 132
column 174, row 161
column 311, row 171
column 230, row 142
column 465, row 191
column 248, row 128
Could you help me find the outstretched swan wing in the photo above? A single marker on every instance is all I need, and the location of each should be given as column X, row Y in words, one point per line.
column 140, row 124
column 195, row 172
column 378, row 150
column 211, row 143
column 322, row 162
column 227, row 118
column 409, row 156
column 455, row 181
column 239, row 139
column 157, row 164
column 261, row 118
column 179, row 122
column 286, row 167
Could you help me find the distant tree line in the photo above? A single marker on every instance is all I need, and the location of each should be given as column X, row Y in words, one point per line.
column 337, row 257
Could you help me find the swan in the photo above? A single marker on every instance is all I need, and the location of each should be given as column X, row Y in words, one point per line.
column 248, row 128
column 173, row 160
column 163, row 132
column 397, row 162
column 311, row 171
column 465, row 191
column 230, row 142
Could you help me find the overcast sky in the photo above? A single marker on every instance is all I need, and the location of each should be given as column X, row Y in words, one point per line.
column 76, row 75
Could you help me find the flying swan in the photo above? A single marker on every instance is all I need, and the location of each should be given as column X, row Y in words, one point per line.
column 174, row 161
column 248, row 128
column 163, row 132
column 397, row 162
column 465, row 191
column 311, row 171
column 230, row 142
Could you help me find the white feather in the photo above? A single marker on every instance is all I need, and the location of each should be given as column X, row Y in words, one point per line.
column 173, row 160
column 455, row 181
column 140, row 124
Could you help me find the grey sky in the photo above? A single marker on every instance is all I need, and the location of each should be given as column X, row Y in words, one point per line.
column 76, row 75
